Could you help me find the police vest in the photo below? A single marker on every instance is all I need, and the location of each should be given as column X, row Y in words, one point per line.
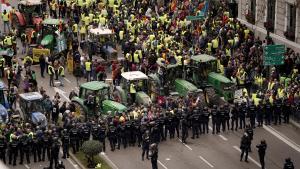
column 136, row 57
column 82, row 29
column 280, row 93
column 228, row 52
column 88, row 66
column 80, row 3
column 215, row 43
column 270, row 85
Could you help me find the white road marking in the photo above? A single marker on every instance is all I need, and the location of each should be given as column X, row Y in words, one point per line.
column 162, row 164
column 105, row 156
column 222, row 137
column 70, row 161
column 208, row 163
column 282, row 138
column 168, row 159
column 250, row 158
column 67, row 80
column 186, row 145
column 26, row 166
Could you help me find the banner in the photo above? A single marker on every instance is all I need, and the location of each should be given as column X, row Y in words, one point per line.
column 36, row 54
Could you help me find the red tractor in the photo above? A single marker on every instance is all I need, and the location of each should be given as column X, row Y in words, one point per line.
column 29, row 15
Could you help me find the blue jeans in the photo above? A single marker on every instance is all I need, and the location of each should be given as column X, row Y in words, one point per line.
column 6, row 24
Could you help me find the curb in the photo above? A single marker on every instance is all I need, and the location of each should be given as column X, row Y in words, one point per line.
column 295, row 124
column 73, row 157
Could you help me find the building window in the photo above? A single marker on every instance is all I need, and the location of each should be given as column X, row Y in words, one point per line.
column 250, row 15
column 291, row 22
column 269, row 24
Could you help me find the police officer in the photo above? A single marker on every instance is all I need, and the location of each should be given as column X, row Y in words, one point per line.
column 3, row 147
column 36, row 145
column 13, row 149
column 102, row 134
column 55, row 146
column 176, row 121
column 227, row 115
column 146, row 144
column 249, row 131
column 74, row 138
column 244, row 147
column 260, row 114
column 252, row 114
column 154, row 132
column 138, row 133
column 24, row 148
column 222, row 118
column 65, row 139
column 234, row 117
column 267, row 112
column 287, row 111
column 262, row 147
column 86, row 132
column 111, row 134
column 95, row 130
column 277, row 111
column 205, row 119
column 242, row 115
column 195, row 122
column 184, row 128
column 214, row 115
column 161, row 122
column 154, row 155
column 171, row 126
column 288, row 164
column 46, row 139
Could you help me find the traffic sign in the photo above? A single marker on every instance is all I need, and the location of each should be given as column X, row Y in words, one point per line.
column 274, row 55
column 194, row 18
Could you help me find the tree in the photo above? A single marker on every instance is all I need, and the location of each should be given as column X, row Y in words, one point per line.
column 91, row 148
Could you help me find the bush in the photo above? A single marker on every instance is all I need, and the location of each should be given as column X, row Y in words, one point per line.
column 91, row 148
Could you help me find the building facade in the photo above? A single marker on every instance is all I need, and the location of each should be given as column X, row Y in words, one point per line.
column 280, row 17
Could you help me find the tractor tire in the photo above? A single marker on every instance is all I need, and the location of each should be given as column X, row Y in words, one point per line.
column 212, row 97
column 79, row 111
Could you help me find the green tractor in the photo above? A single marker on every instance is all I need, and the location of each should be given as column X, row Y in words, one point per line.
column 172, row 83
column 101, row 96
column 50, row 36
column 141, row 84
column 202, row 71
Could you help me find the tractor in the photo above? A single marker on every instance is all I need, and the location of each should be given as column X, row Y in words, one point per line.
column 140, row 81
column 29, row 15
column 100, row 93
column 101, row 41
column 31, row 106
column 51, row 36
column 202, row 71
column 171, row 83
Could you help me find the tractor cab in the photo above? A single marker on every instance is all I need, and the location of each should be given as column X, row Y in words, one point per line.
column 140, row 82
column 94, row 97
column 52, row 37
column 32, row 109
column 29, row 14
column 102, row 41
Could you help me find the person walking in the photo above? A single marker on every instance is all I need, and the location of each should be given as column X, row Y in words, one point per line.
column 61, row 75
column 51, row 73
column 244, row 147
column 262, row 147
column 154, row 155
column 88, row 70
column 5, row 19
column 146, row 142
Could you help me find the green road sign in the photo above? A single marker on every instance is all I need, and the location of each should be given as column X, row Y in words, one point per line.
column 194, row 18
column 274, row 55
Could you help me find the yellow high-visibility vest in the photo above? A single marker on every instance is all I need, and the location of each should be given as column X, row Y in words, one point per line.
column 228, row 52
column 75, row 28
column 136, row 57
column 88, row 66
column 132, row 88
column 82, row 29
column 270, row 85
column 5, row 17
column 50, row 70
column 209, row 45
column 121, row 35
column 280, row 93
column 215, row 43
column 231, row 42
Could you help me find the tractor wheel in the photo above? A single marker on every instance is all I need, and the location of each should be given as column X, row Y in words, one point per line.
column 211, row 97
column 79, row 111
